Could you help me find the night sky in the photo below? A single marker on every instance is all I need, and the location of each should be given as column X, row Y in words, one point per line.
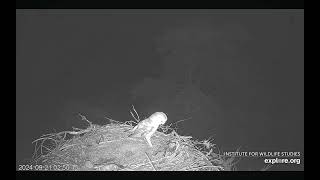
column 238, row 75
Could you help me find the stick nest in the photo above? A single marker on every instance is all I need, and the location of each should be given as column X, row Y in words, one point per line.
column 109, row 148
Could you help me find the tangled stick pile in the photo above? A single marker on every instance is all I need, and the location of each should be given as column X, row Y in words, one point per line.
column 109, row 148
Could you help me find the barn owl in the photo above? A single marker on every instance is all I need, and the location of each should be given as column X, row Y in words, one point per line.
column 147, row 127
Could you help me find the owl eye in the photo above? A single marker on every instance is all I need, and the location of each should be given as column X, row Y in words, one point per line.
column 163, row 120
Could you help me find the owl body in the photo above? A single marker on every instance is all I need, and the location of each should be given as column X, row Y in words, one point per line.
column 147, row 127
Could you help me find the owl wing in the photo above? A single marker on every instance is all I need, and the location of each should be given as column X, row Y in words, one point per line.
column 138, row 131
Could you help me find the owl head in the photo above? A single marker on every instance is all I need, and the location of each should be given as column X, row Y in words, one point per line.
column 159, row 117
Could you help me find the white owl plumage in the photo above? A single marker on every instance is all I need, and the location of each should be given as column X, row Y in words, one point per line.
column 147, row 127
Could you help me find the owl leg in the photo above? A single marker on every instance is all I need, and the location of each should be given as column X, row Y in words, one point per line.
column 148, row 138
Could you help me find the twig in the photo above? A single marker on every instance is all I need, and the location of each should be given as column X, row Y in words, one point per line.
column 137, row 119
column 182, row 120
column 77, row 129
column 67, row 146
column 150, row 162
column 35, row 150
column 43, row 139
column 130, row 122
column 49, row 150
column 134, row 117
column 85, row 119
column 112, row 120
column 50, row 134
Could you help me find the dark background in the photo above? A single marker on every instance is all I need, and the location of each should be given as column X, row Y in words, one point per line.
column 238, row 74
